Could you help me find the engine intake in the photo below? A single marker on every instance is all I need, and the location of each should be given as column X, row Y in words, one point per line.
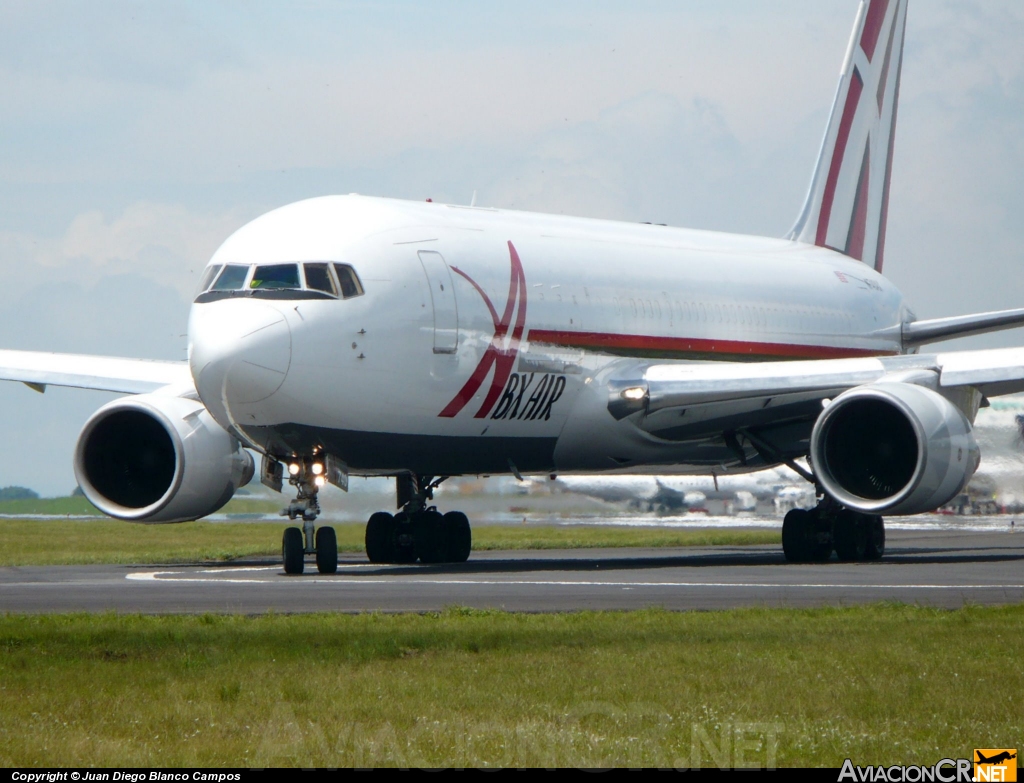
column 154, row 458
column 893, row 448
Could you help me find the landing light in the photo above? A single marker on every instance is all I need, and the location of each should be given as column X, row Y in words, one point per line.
column 294, row 469
column 319, row 481
column 635, row 393
column 317, row 468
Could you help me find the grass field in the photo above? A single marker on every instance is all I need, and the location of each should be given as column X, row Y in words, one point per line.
column 884, row 684
column 54, row 542
column 80, row 506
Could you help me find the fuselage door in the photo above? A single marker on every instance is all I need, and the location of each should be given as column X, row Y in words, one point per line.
column 442, row 297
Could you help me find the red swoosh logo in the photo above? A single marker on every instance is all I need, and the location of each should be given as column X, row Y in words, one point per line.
column 501, row 353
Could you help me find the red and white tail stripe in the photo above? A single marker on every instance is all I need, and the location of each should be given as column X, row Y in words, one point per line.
column 848, row 200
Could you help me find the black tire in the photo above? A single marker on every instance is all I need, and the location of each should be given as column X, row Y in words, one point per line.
column 875, row 547
column 851, row 536
column 798, row 532
column 405, row 540
column 380, row 538
column 821, row 538
column 326, row 551
column 430, row 540
column 293, row 550
column 458, row 536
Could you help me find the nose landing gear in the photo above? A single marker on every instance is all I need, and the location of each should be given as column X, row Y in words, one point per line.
column 307, row 477
column 418, row 531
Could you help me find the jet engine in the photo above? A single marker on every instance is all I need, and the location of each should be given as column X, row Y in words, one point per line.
column 154, row 458
column 893, row 448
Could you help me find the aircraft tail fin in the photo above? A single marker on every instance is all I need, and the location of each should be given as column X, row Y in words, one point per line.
column 848, row 200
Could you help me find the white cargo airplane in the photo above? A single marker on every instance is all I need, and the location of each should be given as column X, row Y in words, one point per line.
column 363, row 336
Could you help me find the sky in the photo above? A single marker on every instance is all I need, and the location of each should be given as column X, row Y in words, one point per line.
column 135, row 137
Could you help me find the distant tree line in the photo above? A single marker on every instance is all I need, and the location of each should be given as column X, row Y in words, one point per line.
column 18, row 493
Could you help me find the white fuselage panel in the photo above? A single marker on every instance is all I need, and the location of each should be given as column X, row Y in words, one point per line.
column 479, row 329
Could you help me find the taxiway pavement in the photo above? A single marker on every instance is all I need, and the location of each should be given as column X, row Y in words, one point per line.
column 934, row 568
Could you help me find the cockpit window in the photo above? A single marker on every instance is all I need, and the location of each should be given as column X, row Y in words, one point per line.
column 312, row 280
column 318, row 278
column 231, row 279
column 208, row 274
column 348, row 280
column 276, row 276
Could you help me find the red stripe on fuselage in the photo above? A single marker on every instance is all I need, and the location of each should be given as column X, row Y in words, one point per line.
column 828, row 197
column 873, row 27
column 686, row 346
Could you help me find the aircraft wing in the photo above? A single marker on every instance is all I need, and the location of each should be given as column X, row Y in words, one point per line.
column 105, row 373
column 679, row 401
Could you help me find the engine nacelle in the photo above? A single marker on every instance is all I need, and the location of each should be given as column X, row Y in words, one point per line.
column 893, row 448
column 154, row 458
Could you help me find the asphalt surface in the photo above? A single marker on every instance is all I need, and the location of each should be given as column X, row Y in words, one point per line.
column 946, row 569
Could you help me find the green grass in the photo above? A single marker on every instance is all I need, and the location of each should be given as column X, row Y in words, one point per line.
column 883, row 684
column 55, row 542
column 80, row 506
column 77, row 506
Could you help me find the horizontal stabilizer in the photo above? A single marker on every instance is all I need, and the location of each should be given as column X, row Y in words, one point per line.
column 932, row 331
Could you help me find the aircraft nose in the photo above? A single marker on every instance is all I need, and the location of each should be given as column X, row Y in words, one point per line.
column 240, row 352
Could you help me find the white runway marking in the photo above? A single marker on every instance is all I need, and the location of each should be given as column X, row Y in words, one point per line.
column 171, row 577
column 225, row 570
column 268, row 568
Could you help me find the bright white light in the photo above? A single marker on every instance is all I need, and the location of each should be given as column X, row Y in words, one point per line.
column 636, row 393
column 319, row 481
column 317, row 468
column 294, row 469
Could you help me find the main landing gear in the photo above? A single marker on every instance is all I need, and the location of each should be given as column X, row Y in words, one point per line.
column 809, row 536
column 418, row 531
column 307, row 477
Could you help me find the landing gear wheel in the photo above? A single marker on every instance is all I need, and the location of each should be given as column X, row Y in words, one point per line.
column 405, row 540
column 326, row 551
column 822, row 551
column 429, row 537
column 851, row 536
column 293, row 550
column 875, row 546
column 380, row 538
column 458, row 536
column 798, row 536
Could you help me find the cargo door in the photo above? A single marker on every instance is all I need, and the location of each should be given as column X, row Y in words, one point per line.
column 442, row 299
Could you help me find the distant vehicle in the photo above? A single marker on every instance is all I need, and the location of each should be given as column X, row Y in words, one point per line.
column 348, row 335
column 794, row 497
column 745, row 502
column 696, row 501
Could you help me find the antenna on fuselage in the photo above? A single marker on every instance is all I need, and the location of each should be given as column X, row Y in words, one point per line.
column 472, row 201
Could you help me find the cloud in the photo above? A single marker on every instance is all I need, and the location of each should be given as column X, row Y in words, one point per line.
column 955, row 233
column 166, row 243
column 118, row 315
column 350, row 87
